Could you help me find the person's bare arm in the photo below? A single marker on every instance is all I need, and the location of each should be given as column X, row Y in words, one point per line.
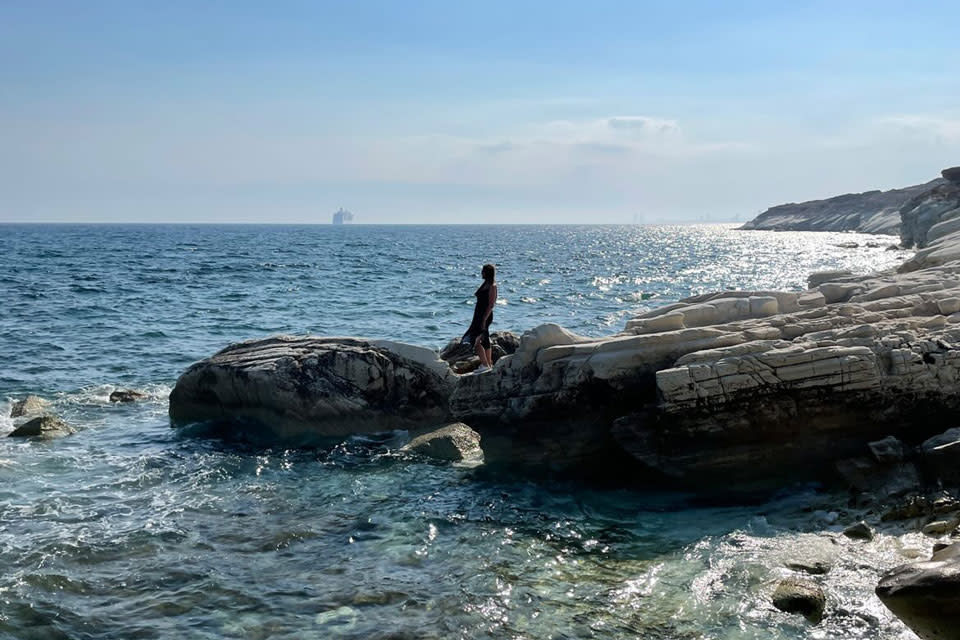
column 493, row 301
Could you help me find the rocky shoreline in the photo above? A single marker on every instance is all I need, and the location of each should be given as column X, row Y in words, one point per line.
column 755, row 387
column 739, row 390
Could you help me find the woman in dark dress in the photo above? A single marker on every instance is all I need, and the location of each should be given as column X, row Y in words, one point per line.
column 479, row 332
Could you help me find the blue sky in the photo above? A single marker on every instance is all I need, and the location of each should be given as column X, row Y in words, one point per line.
column 467, row 112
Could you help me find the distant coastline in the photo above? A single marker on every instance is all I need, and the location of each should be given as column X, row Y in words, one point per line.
column 868, row 212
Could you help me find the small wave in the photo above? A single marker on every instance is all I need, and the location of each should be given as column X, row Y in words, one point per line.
column 6, row 422
column 78, row 288
column 99, row 395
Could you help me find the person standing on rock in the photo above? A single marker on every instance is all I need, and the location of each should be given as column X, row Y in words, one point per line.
column 478, row 334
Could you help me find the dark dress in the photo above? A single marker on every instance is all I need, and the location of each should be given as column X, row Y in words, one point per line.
column 476, row 330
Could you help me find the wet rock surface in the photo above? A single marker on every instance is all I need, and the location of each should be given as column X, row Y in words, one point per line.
column 804, row 597
column 859, row 531
column 43, row 427
column 926, row 595
column 127, row 395
column 813, row 567
column 454, row 442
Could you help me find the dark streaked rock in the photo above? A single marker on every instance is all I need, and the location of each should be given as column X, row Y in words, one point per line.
column 126, row 395
column 297, row 389
column 952, row 174
column 941, row 456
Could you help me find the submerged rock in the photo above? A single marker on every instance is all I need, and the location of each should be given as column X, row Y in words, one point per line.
column 454, row 442
column 126, row 395
column 31, row 405
column 813, row 567
column 296, row 388
column 795, row 595
column 45, row 427
column 926, row 595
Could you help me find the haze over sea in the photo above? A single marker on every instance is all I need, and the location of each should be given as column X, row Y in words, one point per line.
column 128, row 529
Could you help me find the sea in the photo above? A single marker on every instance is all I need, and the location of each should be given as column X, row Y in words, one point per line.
column 131, row 529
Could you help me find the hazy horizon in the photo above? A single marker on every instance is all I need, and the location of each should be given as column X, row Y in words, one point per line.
column 426, row 113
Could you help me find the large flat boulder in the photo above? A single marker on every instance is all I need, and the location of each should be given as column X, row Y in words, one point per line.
column 926, row 595
column 305, row 387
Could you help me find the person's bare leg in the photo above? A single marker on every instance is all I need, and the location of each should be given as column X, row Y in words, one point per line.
column 489, row 354
column 478, row 348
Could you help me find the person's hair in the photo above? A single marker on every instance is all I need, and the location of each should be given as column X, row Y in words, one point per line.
column 488, row 272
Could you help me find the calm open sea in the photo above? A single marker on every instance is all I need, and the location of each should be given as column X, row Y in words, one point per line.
column 129, row 530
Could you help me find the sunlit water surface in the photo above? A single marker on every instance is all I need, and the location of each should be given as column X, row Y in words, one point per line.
column 129, row 530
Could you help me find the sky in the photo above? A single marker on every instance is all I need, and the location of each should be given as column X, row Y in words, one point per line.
column 472, row 112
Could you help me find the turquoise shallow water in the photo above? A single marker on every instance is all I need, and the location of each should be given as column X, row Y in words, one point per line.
column 129, row 530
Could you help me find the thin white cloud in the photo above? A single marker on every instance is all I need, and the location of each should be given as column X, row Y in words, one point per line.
column 936, row 129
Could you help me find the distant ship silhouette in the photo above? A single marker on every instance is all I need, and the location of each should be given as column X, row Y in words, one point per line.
column 342, row 216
